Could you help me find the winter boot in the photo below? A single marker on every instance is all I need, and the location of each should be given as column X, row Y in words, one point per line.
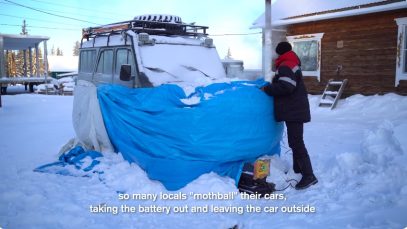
column 306, row 181
column 308, row 177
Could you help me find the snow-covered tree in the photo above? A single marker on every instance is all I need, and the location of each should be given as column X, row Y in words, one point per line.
column 52, row 52
column 229, row 55
column 59, row 52
column 76, row 48
column 24, row 28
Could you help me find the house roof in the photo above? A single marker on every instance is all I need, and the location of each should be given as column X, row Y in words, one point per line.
column 286, row 12
column 63, row 63
column 20, row 42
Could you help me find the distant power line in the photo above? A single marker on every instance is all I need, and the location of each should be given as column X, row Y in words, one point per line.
column 72, row 7
column 45, row 12
column 62, row 16
column 94, row 13
column 41, row 27
column 35, row 19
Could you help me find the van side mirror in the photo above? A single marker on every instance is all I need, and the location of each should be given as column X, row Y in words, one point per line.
column 125, row 72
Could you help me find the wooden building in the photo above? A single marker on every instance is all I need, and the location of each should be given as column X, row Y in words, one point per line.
column 362, row 41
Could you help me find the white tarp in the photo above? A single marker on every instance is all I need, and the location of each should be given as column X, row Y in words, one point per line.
column 87, row 118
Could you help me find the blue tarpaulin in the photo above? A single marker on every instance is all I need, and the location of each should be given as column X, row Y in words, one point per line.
column 175, row 142
column 76, row 158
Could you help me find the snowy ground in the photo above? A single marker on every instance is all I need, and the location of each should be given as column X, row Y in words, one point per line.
column 358, row 152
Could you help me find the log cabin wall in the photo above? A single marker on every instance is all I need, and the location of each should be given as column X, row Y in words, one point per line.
column 368, row 56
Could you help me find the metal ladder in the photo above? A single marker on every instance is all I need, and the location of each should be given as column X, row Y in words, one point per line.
column 332, row 93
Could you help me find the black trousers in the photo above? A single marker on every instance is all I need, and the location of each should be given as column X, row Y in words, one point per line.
column 301, row 160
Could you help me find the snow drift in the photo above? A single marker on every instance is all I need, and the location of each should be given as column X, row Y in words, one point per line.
column 356, row 188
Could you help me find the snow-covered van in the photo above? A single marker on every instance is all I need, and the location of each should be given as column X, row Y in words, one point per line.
column 145, row 52
column 148, row 51
column 173, row 132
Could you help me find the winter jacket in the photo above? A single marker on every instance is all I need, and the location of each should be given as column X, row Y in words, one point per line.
column 288, row 89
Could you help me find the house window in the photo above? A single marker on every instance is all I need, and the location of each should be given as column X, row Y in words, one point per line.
column 401, row 60
column 308, row 49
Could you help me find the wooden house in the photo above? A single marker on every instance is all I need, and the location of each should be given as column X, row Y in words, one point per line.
column 364, row 41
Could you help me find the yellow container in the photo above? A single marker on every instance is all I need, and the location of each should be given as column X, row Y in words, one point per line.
column 261, row 168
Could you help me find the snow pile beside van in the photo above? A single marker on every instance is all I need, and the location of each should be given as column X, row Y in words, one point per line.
column 357, row 188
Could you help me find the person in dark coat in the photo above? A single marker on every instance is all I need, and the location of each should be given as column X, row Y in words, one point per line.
column 291, row 106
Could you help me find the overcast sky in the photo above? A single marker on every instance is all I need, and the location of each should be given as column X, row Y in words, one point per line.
column 222, row 17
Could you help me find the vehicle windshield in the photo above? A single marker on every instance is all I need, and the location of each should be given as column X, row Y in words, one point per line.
column 177, row 62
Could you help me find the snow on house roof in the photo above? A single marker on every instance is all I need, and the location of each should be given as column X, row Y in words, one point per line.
column 297, row 11
column 20, row 42
column 63, row 63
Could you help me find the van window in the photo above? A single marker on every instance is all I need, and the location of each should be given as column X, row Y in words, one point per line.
column 105, row 64
column 123, row 56
column 87, row 60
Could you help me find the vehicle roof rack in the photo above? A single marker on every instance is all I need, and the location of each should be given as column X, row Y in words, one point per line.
column 144, row 26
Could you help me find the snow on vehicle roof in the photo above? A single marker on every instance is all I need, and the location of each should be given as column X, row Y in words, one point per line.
column 178, row 60
column 166, row 50
column 113, row 40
